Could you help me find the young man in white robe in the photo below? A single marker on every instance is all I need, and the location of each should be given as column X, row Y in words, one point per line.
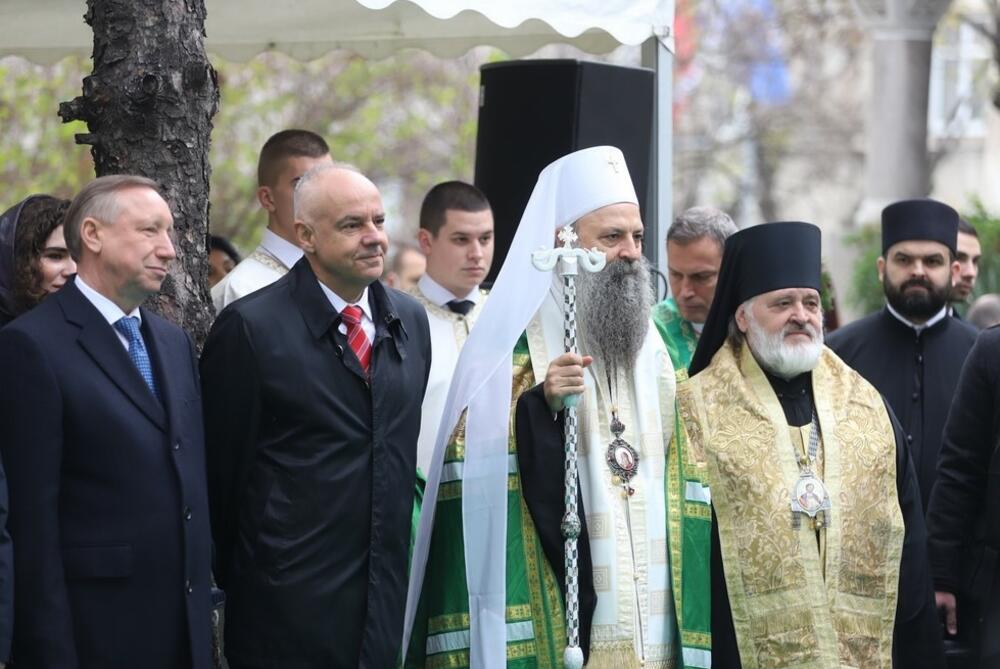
column 284, row 158
column 456, row 237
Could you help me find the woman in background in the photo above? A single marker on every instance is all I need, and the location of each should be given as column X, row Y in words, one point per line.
column 34, row 261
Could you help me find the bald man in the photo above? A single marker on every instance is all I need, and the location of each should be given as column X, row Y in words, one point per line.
column 312, row 389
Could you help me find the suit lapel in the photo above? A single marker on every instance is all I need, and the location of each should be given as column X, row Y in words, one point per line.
column 101, row 343
column 160, row 353
column 320, row 316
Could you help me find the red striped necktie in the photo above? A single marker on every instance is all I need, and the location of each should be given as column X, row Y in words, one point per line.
column 356, row 337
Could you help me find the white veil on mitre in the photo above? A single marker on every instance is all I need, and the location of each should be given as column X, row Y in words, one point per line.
column 569, row 188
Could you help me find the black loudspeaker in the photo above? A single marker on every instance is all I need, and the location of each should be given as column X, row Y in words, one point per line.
column 532, row 112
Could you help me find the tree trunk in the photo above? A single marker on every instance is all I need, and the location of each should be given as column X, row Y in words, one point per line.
column 149, row 106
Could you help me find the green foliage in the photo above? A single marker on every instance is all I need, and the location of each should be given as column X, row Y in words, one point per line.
column 408, row 122
column 37, row 150
column 988, row 228
column 866, row 291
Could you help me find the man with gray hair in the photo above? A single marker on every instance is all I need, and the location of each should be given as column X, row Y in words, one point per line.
column 104, row 449
column 694, row 254
column 818, row 554
column 312, row 388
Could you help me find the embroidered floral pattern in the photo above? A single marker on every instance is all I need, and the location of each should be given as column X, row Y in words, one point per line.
column 785, row 612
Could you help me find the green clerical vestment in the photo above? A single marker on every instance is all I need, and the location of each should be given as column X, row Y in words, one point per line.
column 536, row 633
column 678, row 335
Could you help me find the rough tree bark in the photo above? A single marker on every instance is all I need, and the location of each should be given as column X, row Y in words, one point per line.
column 149, row 106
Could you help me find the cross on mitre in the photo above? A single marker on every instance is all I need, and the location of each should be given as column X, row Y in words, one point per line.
column 614, row 162
column 567, row 236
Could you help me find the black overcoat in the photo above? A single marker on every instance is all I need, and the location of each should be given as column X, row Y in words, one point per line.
column 963, row 519
column 6, row 573
column 311, row 474
column 108, row 502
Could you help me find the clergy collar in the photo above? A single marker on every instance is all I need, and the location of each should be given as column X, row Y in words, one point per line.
column 439, row 295
column 792, row 388
column 932, row 321
column 697, row 327
column 794, row 396
column 282, row 249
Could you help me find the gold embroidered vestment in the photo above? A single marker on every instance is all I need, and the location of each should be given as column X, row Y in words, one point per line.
column 800, row 597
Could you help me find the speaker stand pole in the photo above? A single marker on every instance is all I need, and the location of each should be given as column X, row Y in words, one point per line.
column 656, row 55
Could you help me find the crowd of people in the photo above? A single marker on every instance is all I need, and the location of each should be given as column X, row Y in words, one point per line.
column 368, row 458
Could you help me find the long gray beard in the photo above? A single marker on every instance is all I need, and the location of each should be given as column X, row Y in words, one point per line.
column 613, row 308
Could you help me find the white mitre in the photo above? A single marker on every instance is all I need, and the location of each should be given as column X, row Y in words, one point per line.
column 580, row 183
column 567, row 189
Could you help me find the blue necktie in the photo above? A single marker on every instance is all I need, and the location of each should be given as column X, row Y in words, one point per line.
column 129, row 327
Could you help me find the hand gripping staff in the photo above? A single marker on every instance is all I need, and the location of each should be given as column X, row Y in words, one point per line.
column 569, row 260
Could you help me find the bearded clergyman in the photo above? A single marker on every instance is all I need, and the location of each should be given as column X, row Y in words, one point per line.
column 912, row 350
column 642, row 559
column 818, row 542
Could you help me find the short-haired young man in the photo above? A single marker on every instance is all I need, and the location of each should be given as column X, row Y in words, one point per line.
column 285, row 157
column 456, row 236
column 968, row 253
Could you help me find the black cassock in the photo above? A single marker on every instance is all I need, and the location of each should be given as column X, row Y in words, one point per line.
column 916, row 373
column 917, row 636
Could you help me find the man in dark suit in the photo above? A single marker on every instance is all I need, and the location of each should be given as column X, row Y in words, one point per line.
column 312, row 391
column 963, row 520
column 103, row 445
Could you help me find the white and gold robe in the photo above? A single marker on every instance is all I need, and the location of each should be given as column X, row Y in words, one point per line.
column 449, row 331
column 270, row 261
column 645, row 402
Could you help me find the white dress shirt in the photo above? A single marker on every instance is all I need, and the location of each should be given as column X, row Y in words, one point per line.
column 280, row 248
column 112, row 312
column 339, row 303
column 441, row 296
column 449, row 331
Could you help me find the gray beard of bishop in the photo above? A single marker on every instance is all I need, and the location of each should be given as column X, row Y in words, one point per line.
column 613, row 308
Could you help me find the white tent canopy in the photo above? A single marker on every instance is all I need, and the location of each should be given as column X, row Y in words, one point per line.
column 46, row 30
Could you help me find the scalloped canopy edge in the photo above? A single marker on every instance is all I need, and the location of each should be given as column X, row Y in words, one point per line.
column 45, row 31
